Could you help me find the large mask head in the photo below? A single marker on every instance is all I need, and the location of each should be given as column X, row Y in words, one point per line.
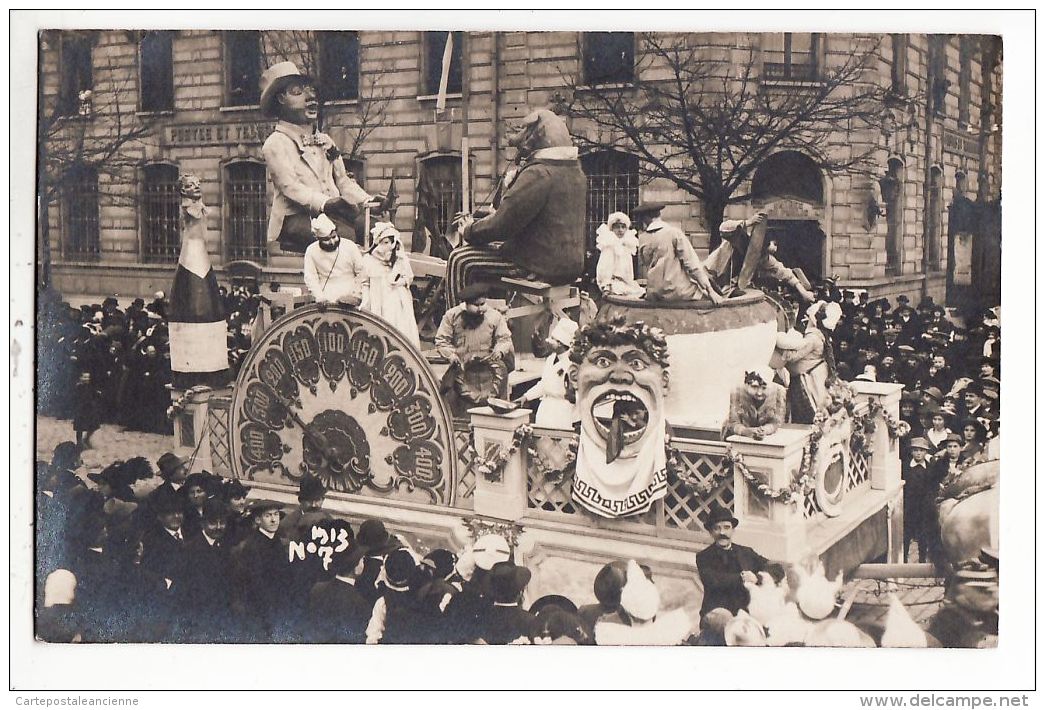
column 620, row 373
column 539, row 129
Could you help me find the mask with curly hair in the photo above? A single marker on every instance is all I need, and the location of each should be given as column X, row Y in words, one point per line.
column 620, row 374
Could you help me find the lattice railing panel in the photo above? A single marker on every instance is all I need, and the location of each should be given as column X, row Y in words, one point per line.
column 685, row 506
column 465, row 472
column 810, row 506
column 859, row 469
column 218, row 435
column 549, row 474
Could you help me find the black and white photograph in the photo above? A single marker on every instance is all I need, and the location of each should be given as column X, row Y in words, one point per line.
column 442, row 332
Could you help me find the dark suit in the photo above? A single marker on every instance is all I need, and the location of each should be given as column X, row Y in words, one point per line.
column 504, row 624
column 406, row 618
column 261, row 575
column 338, row 613
column 919, row 493
column 720, row 570
column 208, row 588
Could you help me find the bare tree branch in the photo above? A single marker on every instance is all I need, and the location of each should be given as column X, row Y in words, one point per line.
column 705, row 122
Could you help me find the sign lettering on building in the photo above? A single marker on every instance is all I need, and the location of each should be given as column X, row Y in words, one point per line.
column 197, row 134
column 962, row 144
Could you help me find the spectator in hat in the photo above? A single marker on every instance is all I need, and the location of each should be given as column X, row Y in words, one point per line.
column 475, row 339
column 88, row 410
column 919, row 495
column 973, row 404
column 398, row 615
column 644, row 623
column 537, row 229
column 338, row 612
column 724, row 566
column 505, row 620
column 239, row 522
column 466, row 611
column 607, row 588
column 174, row 470
column 377, row 544
column 672, row 268
column 195, row 488
column 297, row 524
column 554, row 410
column 262, row 575
column 164, row 554
column 305, row 166
column 757, row 408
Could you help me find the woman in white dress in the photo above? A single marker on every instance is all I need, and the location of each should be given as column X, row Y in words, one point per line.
column 386, row 282
column 811, row 363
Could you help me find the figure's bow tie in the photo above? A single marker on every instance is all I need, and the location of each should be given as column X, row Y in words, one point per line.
column 311, row 139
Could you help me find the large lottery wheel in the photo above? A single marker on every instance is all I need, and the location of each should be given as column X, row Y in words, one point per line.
column 338, row 393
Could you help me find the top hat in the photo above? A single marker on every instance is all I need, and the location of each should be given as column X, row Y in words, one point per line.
column 400, row 569
column 506, row 581
column 311, row 488
column 168, row 464
column 552, row 602
column 345, row 562
column 275, row 79
column 647, row 207
column 719, row 514
column 440, row 563
column 375, row 538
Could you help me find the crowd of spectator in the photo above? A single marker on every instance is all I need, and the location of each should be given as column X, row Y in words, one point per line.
column 100, row 364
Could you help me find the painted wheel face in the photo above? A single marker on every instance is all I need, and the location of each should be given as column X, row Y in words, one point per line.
column 337, row 393
column 832, row 463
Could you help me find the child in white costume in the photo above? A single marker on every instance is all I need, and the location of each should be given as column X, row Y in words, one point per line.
column 386, row 281
column 617, row 243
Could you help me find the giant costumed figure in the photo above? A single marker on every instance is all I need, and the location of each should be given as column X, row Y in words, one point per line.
column 198, row 341
column 620, row 372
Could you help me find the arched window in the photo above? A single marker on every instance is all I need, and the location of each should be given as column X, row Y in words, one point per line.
column 613, row 186
column 439, row 191
column 79, row 210
column 788, row 174
column 161, row 213
column 246, row 211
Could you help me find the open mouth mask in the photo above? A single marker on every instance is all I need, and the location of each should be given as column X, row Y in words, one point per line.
column 620, row 378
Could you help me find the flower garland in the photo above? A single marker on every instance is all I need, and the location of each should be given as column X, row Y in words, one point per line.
column 490, row 468
column 178, row 406
column 546, row 472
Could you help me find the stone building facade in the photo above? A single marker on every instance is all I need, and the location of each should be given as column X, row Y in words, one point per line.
column 192, row 95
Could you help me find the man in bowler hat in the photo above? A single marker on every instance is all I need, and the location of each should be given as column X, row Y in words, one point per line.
column 724, row 566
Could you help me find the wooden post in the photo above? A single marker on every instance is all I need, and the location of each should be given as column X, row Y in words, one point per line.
column 500, row 494
column 466, row 182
